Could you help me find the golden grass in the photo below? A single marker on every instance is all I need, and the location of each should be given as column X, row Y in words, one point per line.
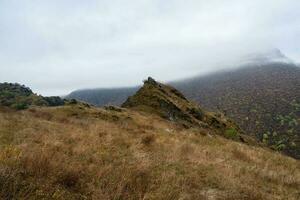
column 74, row 152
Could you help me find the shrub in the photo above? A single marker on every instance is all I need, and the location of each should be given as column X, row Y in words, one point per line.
column 265, row 138
column 20, row 106
column 54, row 101
column 231, row 133
column 280, row 147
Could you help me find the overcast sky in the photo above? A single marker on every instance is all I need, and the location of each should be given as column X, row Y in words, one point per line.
column 56, row 46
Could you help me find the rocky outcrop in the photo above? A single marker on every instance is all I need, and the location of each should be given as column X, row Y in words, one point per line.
column 170, row 104
column 166, row 101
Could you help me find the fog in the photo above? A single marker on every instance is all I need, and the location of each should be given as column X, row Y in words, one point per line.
column 57, row 46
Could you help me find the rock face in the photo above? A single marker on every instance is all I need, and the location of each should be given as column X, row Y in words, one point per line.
column 166, row 101
column 170, row 104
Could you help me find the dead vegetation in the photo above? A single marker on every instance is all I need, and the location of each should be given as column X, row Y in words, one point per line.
column 76, row 152
column 168, row 103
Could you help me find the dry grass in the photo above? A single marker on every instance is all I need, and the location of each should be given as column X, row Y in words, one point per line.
column 148, row 139
column 88, row 153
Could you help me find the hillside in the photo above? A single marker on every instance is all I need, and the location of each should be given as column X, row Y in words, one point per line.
column 170, row 104
column 20, row 97
column 151, row 148
column 263, row 99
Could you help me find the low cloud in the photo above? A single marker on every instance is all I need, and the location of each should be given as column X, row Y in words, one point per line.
column 60, row 45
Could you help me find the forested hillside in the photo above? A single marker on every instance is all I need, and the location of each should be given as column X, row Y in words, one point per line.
column 264, row 100
column 20, row 97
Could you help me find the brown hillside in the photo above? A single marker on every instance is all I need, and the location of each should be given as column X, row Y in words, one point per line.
column 170, row 104
column 81, row 152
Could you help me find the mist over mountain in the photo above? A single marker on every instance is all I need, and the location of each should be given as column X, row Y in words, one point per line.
column 116, row 96
column 269, row 56
column 150, row 100
column 102, row 97
column 262, row 95
column 263, row 99
column 56, row 47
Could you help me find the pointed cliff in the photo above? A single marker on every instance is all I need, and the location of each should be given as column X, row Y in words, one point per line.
column 170, row 104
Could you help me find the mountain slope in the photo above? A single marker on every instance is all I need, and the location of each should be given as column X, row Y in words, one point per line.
column 170, row 104
column 101, row 97
column 263, row 99
column 81, row 152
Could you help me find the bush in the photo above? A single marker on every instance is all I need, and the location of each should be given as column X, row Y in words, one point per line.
column 20, row 106
column 54, row 101
column 231, row 133
column 280, row 147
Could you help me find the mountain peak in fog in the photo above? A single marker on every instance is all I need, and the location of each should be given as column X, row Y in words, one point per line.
column 266, row 56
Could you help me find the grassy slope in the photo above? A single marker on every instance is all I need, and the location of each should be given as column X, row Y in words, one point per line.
column 170, row 104
column 263, row 99
column 75, row 152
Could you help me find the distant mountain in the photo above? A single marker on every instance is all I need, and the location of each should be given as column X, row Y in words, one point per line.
column 116, row 96
column 102, row 97
column 262, row 95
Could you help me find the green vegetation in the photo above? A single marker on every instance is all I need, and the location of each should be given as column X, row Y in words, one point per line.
column 231, row 133
column 20, row 97
column 280, row 147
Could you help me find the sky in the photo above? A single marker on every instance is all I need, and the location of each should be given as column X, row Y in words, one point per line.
column 57, row 46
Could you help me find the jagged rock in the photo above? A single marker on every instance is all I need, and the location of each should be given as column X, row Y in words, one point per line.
column 150, row 80
column 164, row 100
column 170, row 104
